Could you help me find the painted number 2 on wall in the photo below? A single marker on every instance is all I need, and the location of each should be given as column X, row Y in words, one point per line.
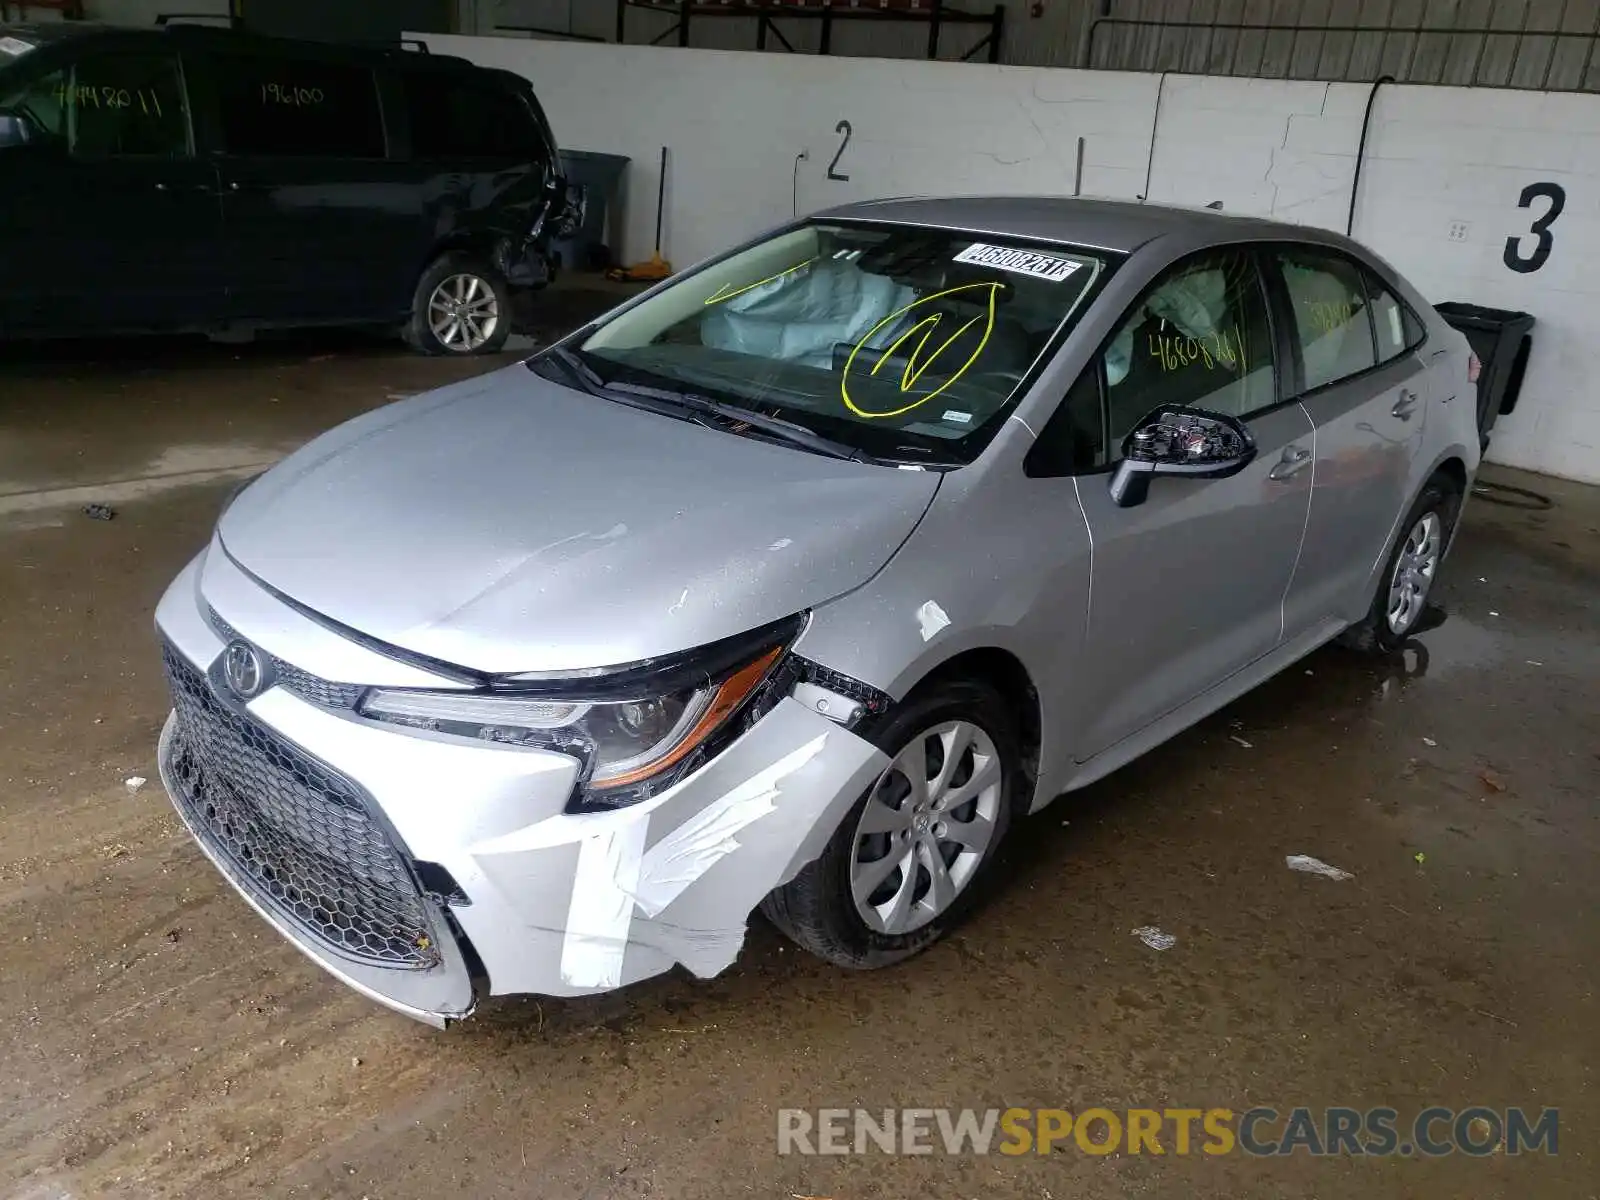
column 1525, row 259
column 843, row 127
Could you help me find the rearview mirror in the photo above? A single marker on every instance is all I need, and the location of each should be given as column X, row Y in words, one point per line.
column 1179, row 441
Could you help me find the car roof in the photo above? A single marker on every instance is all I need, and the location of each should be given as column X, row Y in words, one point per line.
column 50, row 32
column 1119, row 225
column 193, row 32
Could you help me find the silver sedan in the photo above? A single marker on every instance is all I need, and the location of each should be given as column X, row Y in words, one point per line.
column 793, row 582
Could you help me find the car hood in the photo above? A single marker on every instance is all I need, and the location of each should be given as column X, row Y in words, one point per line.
column 509, row 524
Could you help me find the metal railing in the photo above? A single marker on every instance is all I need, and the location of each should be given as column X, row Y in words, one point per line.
column 1520, row 55
column 825, row 14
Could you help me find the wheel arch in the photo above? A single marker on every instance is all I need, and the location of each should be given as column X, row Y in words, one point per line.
column 1005, row 673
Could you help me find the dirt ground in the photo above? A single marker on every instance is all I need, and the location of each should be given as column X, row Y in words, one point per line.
column 159, row 1041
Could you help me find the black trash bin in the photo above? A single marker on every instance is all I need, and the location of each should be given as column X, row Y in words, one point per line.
column 1502, row 340
column 591, row 246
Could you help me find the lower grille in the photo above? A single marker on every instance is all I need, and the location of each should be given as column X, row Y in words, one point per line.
column 299, row 837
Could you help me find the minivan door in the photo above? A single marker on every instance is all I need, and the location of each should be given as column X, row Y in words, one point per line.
column 108, row 221
column 320, row 225
column 1366, row 391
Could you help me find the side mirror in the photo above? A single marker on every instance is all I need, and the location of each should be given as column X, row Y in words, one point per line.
column 16, row 129
column 1179, row 441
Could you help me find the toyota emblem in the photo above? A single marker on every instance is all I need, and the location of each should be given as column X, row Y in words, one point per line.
column 241, row 667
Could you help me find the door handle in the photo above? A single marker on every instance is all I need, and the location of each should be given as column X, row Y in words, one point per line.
column 1405, row 406
column 1295, row 459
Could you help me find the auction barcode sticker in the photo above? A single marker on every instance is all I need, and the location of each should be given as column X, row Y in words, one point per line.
column 1024, row 262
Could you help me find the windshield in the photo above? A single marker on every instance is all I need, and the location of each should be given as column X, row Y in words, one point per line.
column 904, row 341
column 12, row 47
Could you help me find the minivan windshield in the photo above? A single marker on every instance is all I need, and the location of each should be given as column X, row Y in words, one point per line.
column 906, row 342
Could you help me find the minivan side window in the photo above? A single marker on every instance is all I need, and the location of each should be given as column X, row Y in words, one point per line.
column 462, row 115
column 1199, row 337
column 111, row 105
column 289, row 108
column 1397, row 328
column 1331, row 320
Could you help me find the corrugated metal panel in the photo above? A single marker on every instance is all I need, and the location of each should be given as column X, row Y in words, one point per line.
column 1497, row 43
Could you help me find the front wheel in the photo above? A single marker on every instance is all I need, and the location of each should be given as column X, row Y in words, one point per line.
column 461, row 305
column 903, row 866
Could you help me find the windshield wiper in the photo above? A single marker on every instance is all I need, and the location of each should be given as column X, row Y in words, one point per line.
column 692, row 406
column 792, row 432
column 590, row 381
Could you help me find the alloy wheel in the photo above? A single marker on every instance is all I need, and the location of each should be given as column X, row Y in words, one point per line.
column 926, row 826
column 1414, row 570
column 463, row 312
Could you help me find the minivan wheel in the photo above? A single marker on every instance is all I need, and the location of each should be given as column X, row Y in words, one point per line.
column 1401, row 598
column 462, row 305
column 904, row 866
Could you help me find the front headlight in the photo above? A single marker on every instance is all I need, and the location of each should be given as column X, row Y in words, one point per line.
column 632, row 745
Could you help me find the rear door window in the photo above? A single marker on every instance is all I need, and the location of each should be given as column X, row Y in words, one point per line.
column 1396, row 326
column 110, row 105
column 290, row 108
column 1331, row 321
column 465, row 115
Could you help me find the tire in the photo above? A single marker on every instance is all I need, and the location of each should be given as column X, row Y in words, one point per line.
column 480, row 291
column 818, row 910
column 1381, row 631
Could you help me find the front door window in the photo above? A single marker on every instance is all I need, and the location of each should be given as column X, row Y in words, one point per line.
column 110, row 105
column 1200, row 338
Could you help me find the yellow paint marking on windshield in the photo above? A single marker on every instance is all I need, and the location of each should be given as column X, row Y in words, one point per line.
column 915, row 364
column 718, row 296
column 913, row 372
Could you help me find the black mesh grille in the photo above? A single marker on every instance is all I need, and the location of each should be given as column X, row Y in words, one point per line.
column 302, row 683
column 297, row 835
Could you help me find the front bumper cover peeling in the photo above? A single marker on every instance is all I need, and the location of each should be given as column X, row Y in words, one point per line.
column 561, row 904
column 672, row 880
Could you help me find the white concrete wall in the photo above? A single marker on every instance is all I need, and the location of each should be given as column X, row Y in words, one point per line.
column 1444, row 171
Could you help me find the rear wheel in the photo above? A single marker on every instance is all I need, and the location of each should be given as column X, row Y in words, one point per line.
column 1401, row 599
column 903, row 866
column 462, row 305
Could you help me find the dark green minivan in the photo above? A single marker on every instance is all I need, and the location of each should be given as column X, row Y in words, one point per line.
column 197, row 179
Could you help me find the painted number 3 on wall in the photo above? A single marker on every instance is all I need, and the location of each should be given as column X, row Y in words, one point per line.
column 1539, row 230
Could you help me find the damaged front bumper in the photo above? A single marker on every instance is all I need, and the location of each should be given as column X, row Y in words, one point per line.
column 525, row 262
column 427, row 871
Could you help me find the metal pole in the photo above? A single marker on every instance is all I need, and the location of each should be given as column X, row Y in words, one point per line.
column 622, row 21
column 1522, row 42
column 1350, row 55
column 1588, row 57
column 933, row 29
column 1555, row 44
column 1477, row 61
column 683, row 22
column 1416, row 41
column 1233, row 55
column 825, row 44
